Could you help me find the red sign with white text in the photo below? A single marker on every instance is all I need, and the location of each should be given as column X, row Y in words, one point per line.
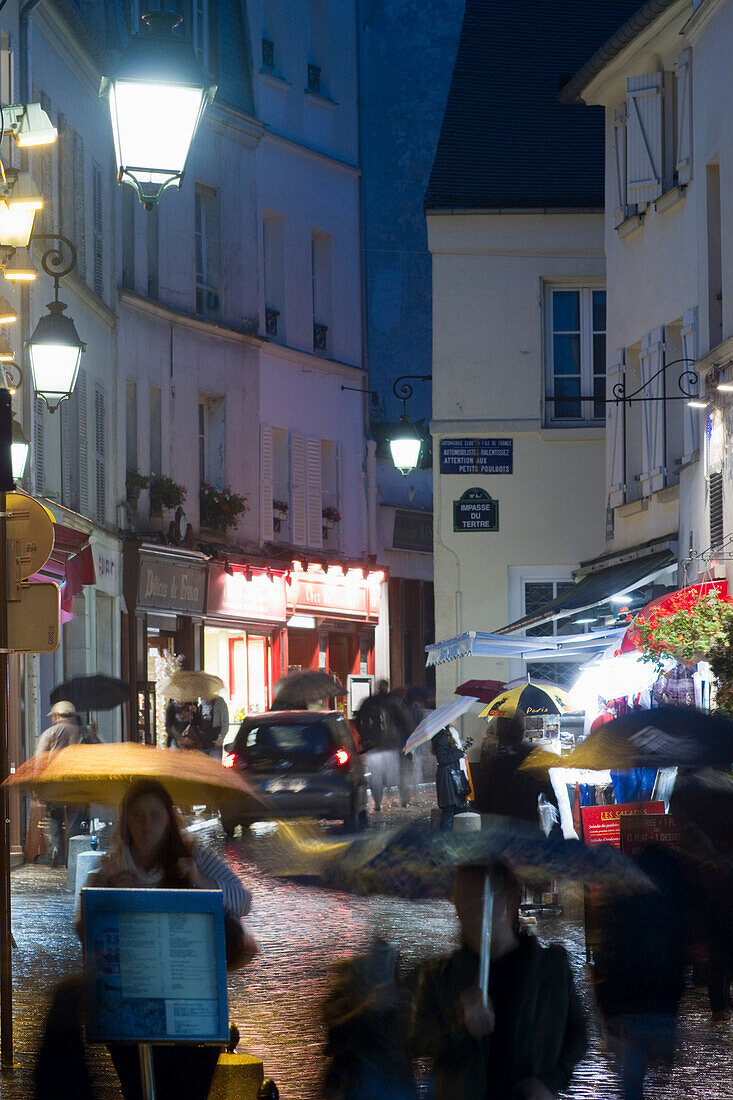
column 232, row 596
column 601, row 824
column 341, row 597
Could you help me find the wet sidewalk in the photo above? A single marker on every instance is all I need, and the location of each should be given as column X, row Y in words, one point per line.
column 301, row 930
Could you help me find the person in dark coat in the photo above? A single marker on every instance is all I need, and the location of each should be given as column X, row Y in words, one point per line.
column 383, row 724
column 450, row 782
column 504, row 789
column 528, row 1037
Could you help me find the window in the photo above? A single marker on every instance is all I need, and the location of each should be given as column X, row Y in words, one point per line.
column 273, row 252
column 537, row 594
column 203, row 464
column 97, row 230
column 71, row 189
column 156, row 432
column 43, row 172
column 320, row 47
column 128, row 238
column 200, row 32
column 151, row 223
column 268, row 54
column 321, row 291
column 576, row 355
column 211, row 441
column 75, row 476
column 207, row 251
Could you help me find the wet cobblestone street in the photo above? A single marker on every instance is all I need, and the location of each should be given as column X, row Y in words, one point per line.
column 275, row 1001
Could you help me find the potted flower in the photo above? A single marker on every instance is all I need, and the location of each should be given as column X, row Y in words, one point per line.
column 134, row 484
column 688, row 633
column 331, row 516
column 165, row 493
column 220, row 508
column 280, row 509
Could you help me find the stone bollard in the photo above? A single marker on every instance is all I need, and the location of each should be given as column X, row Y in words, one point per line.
column 86, row 863
column 435, row 815
column 468, row 822
column 237, row 1077
column 76, row 845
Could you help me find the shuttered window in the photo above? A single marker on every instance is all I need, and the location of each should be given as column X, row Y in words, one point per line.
column 314, row 495
column 644, row 137
column 653, row 457
column 716, row 511
column 98, row 230
column 297, row 488
column 100, row 416
column 43, row 173
column 80, row 397
column 266, row 494
column 683, row 128
column 39, row 447
column 615, row 432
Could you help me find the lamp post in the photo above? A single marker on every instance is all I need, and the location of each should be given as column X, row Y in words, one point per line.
column 55, row 349
column 405, row 443
column 157, row 97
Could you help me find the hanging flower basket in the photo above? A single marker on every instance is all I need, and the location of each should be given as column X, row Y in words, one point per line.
column 220, row 508
column 331, row 516
column 134, row 485
column 687, row 633
column 165, row 493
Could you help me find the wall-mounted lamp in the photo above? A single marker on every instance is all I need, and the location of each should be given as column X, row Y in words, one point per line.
column 55, row 349
column 29, row 124
column 18, row 267
column 405, row 443
column 20, row 201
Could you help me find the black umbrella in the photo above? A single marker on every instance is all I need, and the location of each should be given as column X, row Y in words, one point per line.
column 660, row 738
column 95, row 692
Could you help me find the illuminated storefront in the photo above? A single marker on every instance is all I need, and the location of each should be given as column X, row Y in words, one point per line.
column 243, row 633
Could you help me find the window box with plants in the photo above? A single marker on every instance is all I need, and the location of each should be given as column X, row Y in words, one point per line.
column 135, row 482
column 280, row 509
column 331, row 516
column 165, row 493
column 220, row 509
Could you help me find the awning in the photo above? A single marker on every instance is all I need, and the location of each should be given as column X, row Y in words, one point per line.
column 71, row 566
column 476, row 643
column 598, row 587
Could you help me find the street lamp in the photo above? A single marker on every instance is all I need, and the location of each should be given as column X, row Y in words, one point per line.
column 18, row 205
column 29, row 124
column 18, row 266
column 405, row 443
column 55, row 349
column 157, row 96
column 19, row 448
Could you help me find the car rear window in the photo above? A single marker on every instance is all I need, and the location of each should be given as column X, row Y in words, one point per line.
column 291, row 739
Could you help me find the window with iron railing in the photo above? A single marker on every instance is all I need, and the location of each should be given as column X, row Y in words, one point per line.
column 314, row 79
column 268, row 54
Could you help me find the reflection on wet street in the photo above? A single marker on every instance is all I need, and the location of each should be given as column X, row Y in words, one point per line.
column 275, row 1001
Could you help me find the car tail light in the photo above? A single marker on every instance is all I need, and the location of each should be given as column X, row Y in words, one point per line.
column 341, row 758
column 230, row 759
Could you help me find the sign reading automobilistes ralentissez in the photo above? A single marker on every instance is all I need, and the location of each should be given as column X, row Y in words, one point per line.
column 477, row 456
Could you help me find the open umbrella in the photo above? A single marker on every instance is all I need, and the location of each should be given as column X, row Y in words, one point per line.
column 660, row 738
column 483, row 690
column 530, row 699
column 680, row 600
column 436, row 720
column 188, row 685
column 80, row 774
column 303, row 687
column 96, row 692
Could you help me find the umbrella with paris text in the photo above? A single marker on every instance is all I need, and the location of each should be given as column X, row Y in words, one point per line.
column 530, row 699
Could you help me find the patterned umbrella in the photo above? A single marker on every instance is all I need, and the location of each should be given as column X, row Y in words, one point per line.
column 188, row 685
column 530, row 699
column 436, row 720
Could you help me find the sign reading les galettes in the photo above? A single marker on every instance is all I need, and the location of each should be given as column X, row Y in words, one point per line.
column 602, row 824
column 171, row 585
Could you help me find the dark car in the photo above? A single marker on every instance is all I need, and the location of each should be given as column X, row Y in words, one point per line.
column 300, row 763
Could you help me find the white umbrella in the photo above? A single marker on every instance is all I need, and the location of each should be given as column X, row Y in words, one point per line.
column 436, row 720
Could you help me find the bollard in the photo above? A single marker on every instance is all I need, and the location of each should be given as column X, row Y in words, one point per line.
column 468, row 822
column 76, row 845
column 237, row 1077
column 86, row 863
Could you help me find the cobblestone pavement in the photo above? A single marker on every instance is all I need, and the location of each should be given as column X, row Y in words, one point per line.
column 301, row 930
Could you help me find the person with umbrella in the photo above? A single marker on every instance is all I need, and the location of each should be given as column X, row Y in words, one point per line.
column 451, row 785
column 65, row 729
column 522, row 1040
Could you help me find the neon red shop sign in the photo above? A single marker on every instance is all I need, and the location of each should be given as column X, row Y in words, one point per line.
column 348, row 597
column 232, row 596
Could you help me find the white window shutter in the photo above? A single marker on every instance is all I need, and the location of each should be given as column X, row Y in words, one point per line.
column 100, row 416
column 314, row 492
column 79, row 205
column 683, row 102
column 66, row 445
column 39, row 449
column 297, row 487
column 83, row 441
column 340, row 490
column 615, row 432
column 652, row 423
column 619, row 149
column 644, row 144
column 98, row 230
column 692, row 418
column 266, row 519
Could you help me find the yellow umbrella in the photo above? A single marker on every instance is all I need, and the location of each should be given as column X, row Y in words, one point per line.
column 80, row 774
column 530, row 699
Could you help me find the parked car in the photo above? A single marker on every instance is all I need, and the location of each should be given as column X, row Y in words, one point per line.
column 301, row 763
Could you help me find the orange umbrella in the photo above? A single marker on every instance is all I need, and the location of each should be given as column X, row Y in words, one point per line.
column 80, row 774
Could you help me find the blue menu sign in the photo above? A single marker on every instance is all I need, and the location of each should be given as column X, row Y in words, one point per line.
column 476, row 511
column 476, row 456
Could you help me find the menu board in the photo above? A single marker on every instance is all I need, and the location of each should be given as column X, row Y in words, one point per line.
column 601, row 824
column 638, row 831
column 156, row 966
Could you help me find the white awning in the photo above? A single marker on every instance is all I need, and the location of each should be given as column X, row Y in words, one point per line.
column 477, row 643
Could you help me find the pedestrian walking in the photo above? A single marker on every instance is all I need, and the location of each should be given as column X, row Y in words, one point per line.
column 525, row 1039
column 182, row 721
column 66, row 729
column 502, row 787
column 451, row 784
column 383, row 729
column 152, row 851
column 213, row 724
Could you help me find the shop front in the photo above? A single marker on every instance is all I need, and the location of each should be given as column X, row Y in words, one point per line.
column 332, row 617
column 165, row 593
column 243, row 634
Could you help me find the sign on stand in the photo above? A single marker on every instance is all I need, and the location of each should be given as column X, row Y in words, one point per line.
column 602, row 824
column 476, row 511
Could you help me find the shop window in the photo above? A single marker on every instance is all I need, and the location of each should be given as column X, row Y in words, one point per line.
column 576, row 355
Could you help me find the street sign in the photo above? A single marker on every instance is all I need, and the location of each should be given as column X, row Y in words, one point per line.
column 30, row 528
column 476, row 511
column 33, row 620
column 477, row 456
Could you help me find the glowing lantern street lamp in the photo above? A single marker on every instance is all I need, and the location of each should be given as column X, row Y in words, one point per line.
column 157, row 97
column 55, row 349
column 405, row 443
column 19, row 448
column 19, row 202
